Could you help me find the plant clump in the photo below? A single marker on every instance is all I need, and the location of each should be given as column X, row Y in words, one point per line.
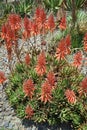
column 48, row 90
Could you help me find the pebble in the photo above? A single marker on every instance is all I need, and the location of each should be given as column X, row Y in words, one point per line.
column 0, row 109
column 10, row 126
column 6, row 124
column 1, row 87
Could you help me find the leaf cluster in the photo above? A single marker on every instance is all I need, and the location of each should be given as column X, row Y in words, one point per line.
column 52, row 5
column 22, row 7
column 78, row 4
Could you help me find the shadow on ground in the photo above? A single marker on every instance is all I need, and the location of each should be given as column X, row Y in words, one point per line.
column 45, row 126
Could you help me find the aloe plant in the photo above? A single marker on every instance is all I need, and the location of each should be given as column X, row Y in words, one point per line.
column 23, row 7
column 78, row 3
column 52, row 5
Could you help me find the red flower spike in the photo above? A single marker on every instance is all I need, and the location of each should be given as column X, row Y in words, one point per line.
column 68, row 40
column 40, row 18
column 51, row 78
column 41, row 64
column 29, row 111
column 85, row 42
column 34, row 29
column 60, row 51
column 14, row 21
column 2, row 77
column 9, row 49
column 27, row 26
column 3, row 31
column 83, row 85
column 42, row 59
column 70, row 95
column 51, row 23
column 37, row 12
column 77, row 59
column 46, row 92
column 63, row 48
column 27, row 59
column 7, row 33
column 26, row 23
column 28, row 88
column 40, row 15
column 62, row 24
column 40, row 70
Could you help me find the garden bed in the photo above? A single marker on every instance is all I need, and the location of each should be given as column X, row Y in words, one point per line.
column 46, row 73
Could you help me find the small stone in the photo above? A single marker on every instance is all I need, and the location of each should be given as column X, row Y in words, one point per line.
column 7, row 113
column 1, row 115
column 1, row 121
column 1, row 88
column 1, row 106
column 29, row 128
column 33, row 128
column 1, row 124
column 10, row 126
column 8, row 118
column 8, row 109
column 1, row 103
column 6, row 123
column 16, row 127
column 21, row 128
column 0, row 109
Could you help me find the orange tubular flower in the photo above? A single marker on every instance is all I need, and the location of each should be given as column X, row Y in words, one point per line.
column 28, row 88
column 27, row 59
column 63, row 48
column 46, row 92
column 9, row 50
column 84, row 85
column 51, row 23
column 68, row 44
column 85, row 42
column 4, row 31
column 62, row 24
column 14, row 21
column 37, row 12
column 40, row 17
column 34, row 30
column 70, row 95
column 77, row 59
column 7, row 33
column 60, row 51
column 68, row 40
column 9, row 36
column 51, row 78
column 27, row 26
column 29, row 111
column 41, row 64
column 2, row 77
